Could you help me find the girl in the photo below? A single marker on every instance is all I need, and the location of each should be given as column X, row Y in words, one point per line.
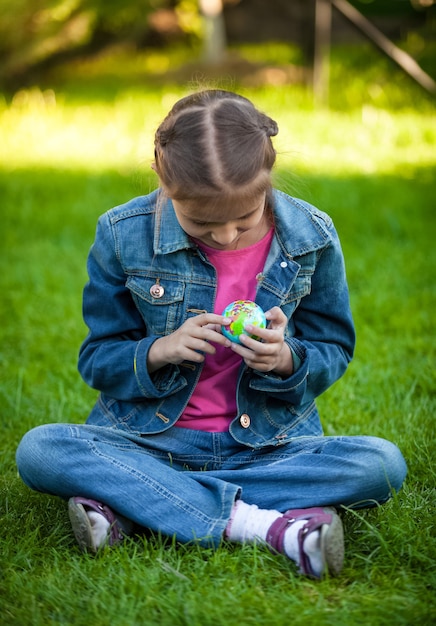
column 193, row 435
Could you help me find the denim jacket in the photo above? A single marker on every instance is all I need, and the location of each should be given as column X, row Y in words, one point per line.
column 137, row 247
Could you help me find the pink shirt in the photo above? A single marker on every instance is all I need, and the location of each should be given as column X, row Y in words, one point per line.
column 213, row 404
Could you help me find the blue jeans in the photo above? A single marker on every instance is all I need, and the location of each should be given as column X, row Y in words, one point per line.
column 184, row 482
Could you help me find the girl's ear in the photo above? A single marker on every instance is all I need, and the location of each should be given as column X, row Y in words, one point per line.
column 153, row 166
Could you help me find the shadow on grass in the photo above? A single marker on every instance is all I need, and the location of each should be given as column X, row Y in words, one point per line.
column 46, row 203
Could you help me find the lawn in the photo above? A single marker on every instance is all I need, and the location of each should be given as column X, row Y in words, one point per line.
column 67, row 154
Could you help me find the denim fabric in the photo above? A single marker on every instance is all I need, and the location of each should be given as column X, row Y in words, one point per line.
column 184, row 482
column 137, row 246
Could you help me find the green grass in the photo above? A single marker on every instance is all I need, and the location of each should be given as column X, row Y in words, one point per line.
column 64, row 159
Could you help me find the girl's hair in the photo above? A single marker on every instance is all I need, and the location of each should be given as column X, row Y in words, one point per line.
column 214, row 143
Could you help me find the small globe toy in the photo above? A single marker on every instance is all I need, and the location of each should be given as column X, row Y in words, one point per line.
column 243, row 312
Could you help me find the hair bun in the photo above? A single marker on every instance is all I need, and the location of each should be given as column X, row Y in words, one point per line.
column 272, row 130
column 269, row 126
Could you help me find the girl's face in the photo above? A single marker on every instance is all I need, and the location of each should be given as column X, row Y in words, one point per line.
column 225, row 227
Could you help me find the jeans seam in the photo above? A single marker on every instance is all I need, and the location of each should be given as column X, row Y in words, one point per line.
column 159, row 489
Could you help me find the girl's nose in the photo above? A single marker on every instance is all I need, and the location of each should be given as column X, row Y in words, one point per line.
column 225, row 235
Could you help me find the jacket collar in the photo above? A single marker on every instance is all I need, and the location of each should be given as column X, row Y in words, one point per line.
column 300, row 228
column 169, row 236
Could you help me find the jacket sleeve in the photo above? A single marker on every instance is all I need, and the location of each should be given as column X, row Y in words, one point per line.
column 320, row 331
column 113, row 357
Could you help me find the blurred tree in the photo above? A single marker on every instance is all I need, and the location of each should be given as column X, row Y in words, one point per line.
column 36, row 33
column 215, row 30
column 275, row 20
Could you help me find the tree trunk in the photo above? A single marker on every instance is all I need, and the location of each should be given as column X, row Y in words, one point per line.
column 215, row 32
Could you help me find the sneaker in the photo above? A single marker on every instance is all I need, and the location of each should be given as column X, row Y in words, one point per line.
column 94, row 524
column 326, row 552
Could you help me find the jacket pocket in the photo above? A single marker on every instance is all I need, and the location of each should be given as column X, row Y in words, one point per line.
column 162, row 308
column 112, row 413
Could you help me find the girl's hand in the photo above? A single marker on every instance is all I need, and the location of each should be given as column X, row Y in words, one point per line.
column 190, row 342
column 271, row 353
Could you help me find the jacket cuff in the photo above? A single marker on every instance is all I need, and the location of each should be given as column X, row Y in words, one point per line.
column 298, row 349
column 295, row 360
column 293, row 384
column 163, row 382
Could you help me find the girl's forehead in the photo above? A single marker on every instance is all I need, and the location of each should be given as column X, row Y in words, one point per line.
column 220, row 209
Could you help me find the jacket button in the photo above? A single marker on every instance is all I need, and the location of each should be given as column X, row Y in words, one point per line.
column 157, row 291
column 245, row 420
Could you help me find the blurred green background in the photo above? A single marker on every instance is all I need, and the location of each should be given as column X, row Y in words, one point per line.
column 83, row 86
column 40, row 38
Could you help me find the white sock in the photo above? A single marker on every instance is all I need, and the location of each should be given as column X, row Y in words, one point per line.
column 312, row 548
column 248, row 523
column 100, row 527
